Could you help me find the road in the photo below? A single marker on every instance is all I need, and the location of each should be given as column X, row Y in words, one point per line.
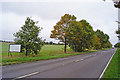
column 88, row 65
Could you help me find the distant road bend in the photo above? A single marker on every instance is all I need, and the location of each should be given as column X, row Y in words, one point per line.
column 88, row 65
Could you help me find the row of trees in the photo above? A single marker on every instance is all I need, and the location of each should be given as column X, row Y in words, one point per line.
column 79, row 35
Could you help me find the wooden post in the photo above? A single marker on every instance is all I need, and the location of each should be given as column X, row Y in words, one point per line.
column 9, row 53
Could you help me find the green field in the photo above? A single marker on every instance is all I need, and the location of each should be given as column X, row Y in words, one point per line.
column 113, row 68
column 47, row 52
column 5, row 47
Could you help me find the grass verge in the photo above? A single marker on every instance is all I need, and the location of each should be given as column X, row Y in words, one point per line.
column 47, row 52
column 8, row 61
column 113, row 70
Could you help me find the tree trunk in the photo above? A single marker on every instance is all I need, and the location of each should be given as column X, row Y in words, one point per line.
column 35, row 52
column 26, row 52
column 65, row 46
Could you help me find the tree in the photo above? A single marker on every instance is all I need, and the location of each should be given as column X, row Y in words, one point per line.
column 96, row 43
column 75, row 36
column 61, row 28
column 28, row 37
column 80, row 35
column 104, row 38
column 108, row 45
column 51, row 43
column 89, row 37
column 117, row 45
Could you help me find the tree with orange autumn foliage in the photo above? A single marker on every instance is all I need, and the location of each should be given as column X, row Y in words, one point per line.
column 96, row 44
column 79, row 35
column 61, row 29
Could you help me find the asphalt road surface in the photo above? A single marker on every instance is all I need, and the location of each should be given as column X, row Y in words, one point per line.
column 88, row 65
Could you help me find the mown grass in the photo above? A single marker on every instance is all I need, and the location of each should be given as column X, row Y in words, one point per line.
column 47, row 52
column 113, row 70
column 4, row 48
column 7, row 61
column 17, row 60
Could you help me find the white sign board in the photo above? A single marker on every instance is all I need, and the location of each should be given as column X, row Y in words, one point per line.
column 14, row 48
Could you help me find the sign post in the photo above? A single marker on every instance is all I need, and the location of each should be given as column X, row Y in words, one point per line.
column 14, row 48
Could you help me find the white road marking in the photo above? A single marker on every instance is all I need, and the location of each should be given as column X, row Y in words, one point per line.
column 63, row 64
column 27, row 75
column 106, row 66
column 77, row 60
column 82, row 59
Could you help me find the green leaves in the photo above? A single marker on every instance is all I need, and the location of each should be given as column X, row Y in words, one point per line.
column 104, row 39
column 96, row 42
column 79, row 35
column 61, row 28
column 117, row 45
column 28, row 36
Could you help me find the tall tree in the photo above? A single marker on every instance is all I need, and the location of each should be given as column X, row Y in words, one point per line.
column 104, row 38
column 61, row 28
column 108, row 45
column 117, row 45
column 27, row 36
column 89, row 37
column 96, row 42
column 80, row 35
column 75, row 36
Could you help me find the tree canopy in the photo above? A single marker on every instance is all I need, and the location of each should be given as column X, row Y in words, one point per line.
column 61, row 28
column 79, row 35
column 96, row 42
column 76, row 36
column 89, row 34
column 27, row 36
column 117, row 45
column 104, row 38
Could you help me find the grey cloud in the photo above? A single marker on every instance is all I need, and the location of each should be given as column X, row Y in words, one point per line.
column 100, row 15
column 44, row 10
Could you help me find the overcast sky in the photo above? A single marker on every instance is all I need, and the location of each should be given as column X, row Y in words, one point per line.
column 101, row 15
